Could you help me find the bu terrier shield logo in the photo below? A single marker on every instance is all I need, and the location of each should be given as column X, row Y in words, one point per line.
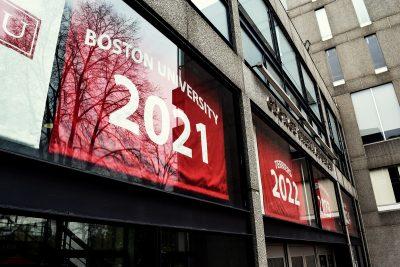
column 18, row 28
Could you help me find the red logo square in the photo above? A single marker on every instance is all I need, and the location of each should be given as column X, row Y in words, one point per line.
column 18, row 28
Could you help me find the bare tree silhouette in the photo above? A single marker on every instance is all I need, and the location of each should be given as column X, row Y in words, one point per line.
column 83, row 83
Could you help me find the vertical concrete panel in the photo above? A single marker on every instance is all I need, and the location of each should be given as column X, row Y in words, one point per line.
column 257, row 222
column 342, row 16
column 307, row 27
column 355, row 59
column 382, row 8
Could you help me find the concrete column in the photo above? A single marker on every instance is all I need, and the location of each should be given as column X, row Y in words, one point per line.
column 250, row 158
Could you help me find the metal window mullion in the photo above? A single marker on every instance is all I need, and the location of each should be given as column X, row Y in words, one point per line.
column 377, row 112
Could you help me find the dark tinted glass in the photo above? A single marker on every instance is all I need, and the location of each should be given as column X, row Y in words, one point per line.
column 217, row 13
column 276, row 262
column 29, row 241
column 108, row 93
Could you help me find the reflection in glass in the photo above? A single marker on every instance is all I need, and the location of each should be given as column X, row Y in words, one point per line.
column 284, row 179
column 53, row 242
column 350, row 214
column 327, row 202
column 258, row 12
column 125, row 102
column 254, row 56
column 311, row 93
column 289, row 60
column 378, row 113
column 217, row 12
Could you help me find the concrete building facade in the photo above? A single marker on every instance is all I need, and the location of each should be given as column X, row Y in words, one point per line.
column 352, row 23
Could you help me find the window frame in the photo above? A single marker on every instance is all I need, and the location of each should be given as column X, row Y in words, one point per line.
column 379, row 69
column 272, row 54
column 321, row 29
column 371, row 89
column 339, row 81
column 392, row 206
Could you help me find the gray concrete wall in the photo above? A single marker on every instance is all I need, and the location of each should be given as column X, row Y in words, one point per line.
column 382, row 228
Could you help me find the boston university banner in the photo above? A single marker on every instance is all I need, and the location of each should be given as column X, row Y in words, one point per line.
column 124, row 101
column 285, row 187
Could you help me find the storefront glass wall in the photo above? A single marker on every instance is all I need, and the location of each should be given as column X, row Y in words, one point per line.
column 40, row 241
column 105, row 92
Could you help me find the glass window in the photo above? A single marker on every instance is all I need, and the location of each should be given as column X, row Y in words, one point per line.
column 349, row 214
column 122, row 101
column 378, row 113
column 323, row 24
column 302, row 255
column 335, row 134
column 362, row 12
column 288, row 58
column 327, row 201
column 376, row 53
column 311, row 93
column 276, row 255
column 218, row 14
column 386, row 186
column 30, row 241
column 258, row 12
column 284, row 180
column 254, row 56
column 334, row 67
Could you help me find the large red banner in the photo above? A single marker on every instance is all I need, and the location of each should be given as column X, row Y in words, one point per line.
column 129, row 100
column 284, row 191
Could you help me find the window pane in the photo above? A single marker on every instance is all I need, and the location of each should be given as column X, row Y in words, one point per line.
column 376, row 52
column 288, row 58
column 367, row 117
column 297, row 261
column 350, row 214
column 334, row 65
column 388, row 109
column 254, row 56
column 283, row 171
column 111, row 100
column 362, row 12
column 276, row 255
column 334, row 129
column 311, row 93
column 258, row 12
column 382, row 186
column 327, row 201
column 217, row 13
column 323, row 24
column 31, row 241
